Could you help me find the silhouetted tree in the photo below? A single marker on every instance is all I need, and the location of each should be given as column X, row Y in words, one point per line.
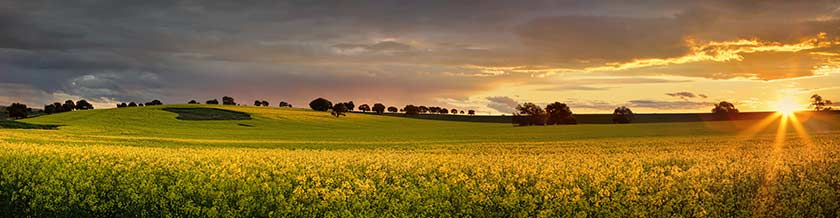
column 471, row 112
column 17, row 110
column 265, row 103
column 284, row 104
column 69, row 105
column 140, row 105
column 443, row 111
column 154, row 102
column 529, row 114
column 423, row 109
column 350, row 105
column 83, row 105
column 622, row 115
column 393, row 109
column 453, row 111
column 339, row 109
column 725, row 110
column 379, row 108
column 462, row 112
column 320, row 104
column 820, row 104
column 364, row 108
column 411, row 109
column 192, row 102
column 227, row 100
column 214, row 101
column 559, row 113
column 132, row 104
column 257, row 103
column 50, row 109
column 121, row 105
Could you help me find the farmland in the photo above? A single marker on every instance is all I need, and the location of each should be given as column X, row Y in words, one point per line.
column 292, row 162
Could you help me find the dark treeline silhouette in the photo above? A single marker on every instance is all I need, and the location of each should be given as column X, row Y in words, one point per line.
column 338, row 109
column 132, row 104
column 192, row 102
column 284, row 104
column 68, row 105
column 18, row 111
column 529, row 114
column 214, row 101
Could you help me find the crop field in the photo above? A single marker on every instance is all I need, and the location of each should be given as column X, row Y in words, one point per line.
column 144, row 161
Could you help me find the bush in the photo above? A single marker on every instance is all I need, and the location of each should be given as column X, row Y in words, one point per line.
column 411, row 109
column 379, row 108
column 18, row 111
column 320, row 104
column 227, row 100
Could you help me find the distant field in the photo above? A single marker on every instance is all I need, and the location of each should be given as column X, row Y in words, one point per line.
column 144, row 162
column 599, row 118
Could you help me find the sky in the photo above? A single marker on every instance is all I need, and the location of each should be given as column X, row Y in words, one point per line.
column 652, row 56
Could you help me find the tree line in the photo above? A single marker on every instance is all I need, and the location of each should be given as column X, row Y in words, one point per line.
column 526, row 114
column 339, row 109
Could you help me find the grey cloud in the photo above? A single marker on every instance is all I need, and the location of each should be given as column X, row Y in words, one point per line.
column 671, row 105
column 686, row 95
column 204, row 49
column 502, row 104
column 379, row 46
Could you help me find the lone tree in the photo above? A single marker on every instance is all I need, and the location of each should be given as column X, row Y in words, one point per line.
column 622, row 115
column 257, row 103
column 725, row 110
column 83, row 105
column 214, row 101
column 339, row 110
column 559, row 113
column 265, row 103
column 820, row 104
column 528, row 114
column 227, row 100
column 471, row 112
column 364, row 108
column 411, row 109
column 132, row 104
column 393, row 109
column 379, row 108
column 320, row 104
column 284, row 104
column 17, row 111
column 192, row 102
column 453, row 111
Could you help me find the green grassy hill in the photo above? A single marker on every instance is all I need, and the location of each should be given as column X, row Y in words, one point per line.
column 284, row 127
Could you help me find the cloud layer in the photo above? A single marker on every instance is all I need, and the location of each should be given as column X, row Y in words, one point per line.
column 401, row 52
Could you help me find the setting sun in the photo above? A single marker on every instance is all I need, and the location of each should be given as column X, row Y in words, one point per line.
column 786, row 107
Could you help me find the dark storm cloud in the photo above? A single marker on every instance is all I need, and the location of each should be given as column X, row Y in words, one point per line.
column 399, row 51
